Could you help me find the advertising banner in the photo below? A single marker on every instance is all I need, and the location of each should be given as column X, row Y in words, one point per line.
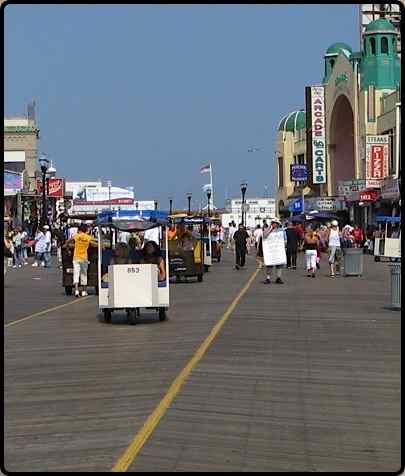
column 106, row 193
column 349, row 189
column 113, row 201
column 78, row 189
column 56, row 187
column 377, row 152
column 390, row 189
column 318, row 135
column 13, row 182
column 298, row 173
column 322, row 204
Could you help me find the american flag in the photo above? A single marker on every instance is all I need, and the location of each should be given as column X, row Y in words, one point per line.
column 205, row 168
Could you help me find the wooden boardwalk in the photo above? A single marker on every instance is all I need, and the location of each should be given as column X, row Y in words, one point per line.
column 303, row 376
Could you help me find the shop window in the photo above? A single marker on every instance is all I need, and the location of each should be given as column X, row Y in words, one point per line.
column 332, row 63
column 384, row 45
column 372, row 46
column 393, row 46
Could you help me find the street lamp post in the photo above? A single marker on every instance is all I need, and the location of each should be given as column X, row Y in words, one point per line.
column 209, row 200
column 109, row 193
column 243, row 187
column 156, row 204
column 44, row 162
column 189, row 195
column 170, row 206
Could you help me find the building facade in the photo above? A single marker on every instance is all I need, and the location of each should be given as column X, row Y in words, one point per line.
column 361, row 101
column 21, row 136
column 257, row 210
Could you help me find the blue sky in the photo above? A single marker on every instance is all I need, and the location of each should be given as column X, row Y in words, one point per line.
column 146, row 95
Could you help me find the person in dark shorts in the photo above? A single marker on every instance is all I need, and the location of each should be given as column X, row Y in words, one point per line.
column 293, row 240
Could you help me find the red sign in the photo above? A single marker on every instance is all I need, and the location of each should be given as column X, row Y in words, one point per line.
column 369, row 196
column 377, row 155
column 55, row 187
column 377, row 161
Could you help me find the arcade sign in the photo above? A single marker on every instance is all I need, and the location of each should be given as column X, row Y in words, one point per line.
column 318, row 134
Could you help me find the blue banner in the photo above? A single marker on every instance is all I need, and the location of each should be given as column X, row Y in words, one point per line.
column 296, row 205
column 298, row 173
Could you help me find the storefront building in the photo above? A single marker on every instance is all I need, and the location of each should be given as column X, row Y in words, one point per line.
column 21, row 136
column 360, row 113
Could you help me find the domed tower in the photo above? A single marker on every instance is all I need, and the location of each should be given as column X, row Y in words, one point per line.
column 331, row 56
column 293, row 122
column 380, row 66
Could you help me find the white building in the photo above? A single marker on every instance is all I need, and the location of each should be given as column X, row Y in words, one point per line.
column 257, row 210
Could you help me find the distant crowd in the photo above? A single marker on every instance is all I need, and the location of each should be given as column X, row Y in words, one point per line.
column 313, row 238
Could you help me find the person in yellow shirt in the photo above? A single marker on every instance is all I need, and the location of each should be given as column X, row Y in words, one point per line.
column 81, row 241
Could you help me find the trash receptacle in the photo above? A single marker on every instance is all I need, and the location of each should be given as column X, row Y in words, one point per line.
column 353, row 261
column 395, row 286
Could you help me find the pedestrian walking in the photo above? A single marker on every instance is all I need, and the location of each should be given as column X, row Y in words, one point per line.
column 240, row 238
column 274, row 253
column 7, row 253
column 17, row 243
column 259, row 252
column 81, row 241
column 335, row 251
column 48, row 249
column 24, row 245
column 231, row 232
column 258, row 233
column 299, row 227
column 292, row 245
column 310, row 248
column 10, row 258
column 347, row 236
column 60, row 239
column 40, row 247
column 358, row 236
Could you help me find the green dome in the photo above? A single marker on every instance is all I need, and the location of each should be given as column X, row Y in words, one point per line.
column 337, row 48
column 293, row 122
column 382, row 25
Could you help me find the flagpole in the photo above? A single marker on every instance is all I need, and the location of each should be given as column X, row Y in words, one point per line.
column 212, row 190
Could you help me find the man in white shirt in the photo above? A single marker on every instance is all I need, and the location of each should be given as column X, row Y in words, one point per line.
column 258, row 233
column 231, row 231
